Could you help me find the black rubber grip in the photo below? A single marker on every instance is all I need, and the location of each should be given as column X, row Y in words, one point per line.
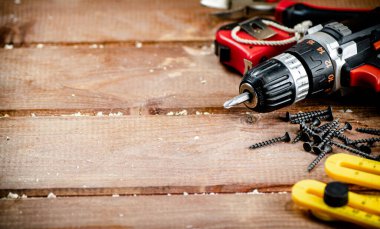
column 273, row 84
column 317, row 63
column 300, row 12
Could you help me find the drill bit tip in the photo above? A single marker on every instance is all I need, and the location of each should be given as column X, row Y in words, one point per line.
column 243, row 97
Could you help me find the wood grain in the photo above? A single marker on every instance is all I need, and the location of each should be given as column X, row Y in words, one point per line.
column 154, row 79
column 209, row 211
column 117, row 77
column 104, row 21
column 152, row 154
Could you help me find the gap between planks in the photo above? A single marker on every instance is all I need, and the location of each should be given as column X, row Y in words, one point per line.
column 201, row 211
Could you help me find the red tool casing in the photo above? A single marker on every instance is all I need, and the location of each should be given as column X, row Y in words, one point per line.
column 242, row 57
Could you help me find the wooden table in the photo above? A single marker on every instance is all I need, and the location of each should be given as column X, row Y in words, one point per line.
column 116, row 108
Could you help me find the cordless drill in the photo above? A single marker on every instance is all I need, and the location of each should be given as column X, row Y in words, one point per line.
column 329, row 57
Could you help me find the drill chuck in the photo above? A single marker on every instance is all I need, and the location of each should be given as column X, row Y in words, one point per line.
column 305, row 69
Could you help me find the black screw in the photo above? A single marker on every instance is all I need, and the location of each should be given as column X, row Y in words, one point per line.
column 322, row 128
column 369, row 131
column 311, row 114
column 301, row 133
column 285, row 138
column 365, row 140
column 326, row 149
column 352, row 150
column 319, row 148
column 342, row 137
column 319, row 137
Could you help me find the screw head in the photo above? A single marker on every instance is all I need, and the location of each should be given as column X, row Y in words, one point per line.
column 307, row 146
column 317, row 138
column 286, row 137
column 330, row 113
column 365, row 149
column 305, row 137
column 316, row 149
column 287, row 116
column 348, row 126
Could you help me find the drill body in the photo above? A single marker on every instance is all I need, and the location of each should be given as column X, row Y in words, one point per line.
column 335, row 55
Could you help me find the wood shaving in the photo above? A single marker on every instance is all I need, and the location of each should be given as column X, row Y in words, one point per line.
column 183, row 112
column 73, row 95
column 99, row 113
column 255, row 192
column 39, row 46
column 24, row 196
column 138, row 44
column 206, row 113
column 93, row 46
column 121, row 215
column 203, row 81
column 115, row 195
column 101, row 46
column 51, row 196
column 169, row 194
column 33, row 115
column 8, row 46
column 151, row 70
column 12, row 195
column 115, row 114
column 196, row 138
column 185, row 193
column 170, row 113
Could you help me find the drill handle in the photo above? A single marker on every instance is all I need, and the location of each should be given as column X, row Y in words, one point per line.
column 367, row 76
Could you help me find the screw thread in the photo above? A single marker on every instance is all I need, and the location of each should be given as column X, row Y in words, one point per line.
column 264, row 143
column 369, row 131
column 310, row 113
column 297, row 138
column 316, row 161
column 365, row 140
column 342, row 137
column 352, row 150
column 307, row 129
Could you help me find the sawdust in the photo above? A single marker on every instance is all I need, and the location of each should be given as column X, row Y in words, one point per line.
column 93, row 46
column 178, row 113
column 33, row 115
column 51, row 196
column 12, row 195
column 99, row 113
column 196, row 138
column 8, row 46
column 24, row 196
column 39, row 46
column 115, row 195
column 115, row 114
column 138, row 44
column 185, row 193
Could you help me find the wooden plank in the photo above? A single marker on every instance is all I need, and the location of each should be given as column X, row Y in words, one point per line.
column 107, row 21
column 154, row 79
column 153, row 154
column 201, row 211
column 122, row 78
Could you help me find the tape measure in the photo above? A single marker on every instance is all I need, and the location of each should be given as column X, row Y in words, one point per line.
column 359, row 209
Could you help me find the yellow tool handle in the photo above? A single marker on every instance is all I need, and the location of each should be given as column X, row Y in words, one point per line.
column 354, row 170
column 360, row 209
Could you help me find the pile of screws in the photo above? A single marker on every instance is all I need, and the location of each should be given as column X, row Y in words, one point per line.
column 318, row 139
